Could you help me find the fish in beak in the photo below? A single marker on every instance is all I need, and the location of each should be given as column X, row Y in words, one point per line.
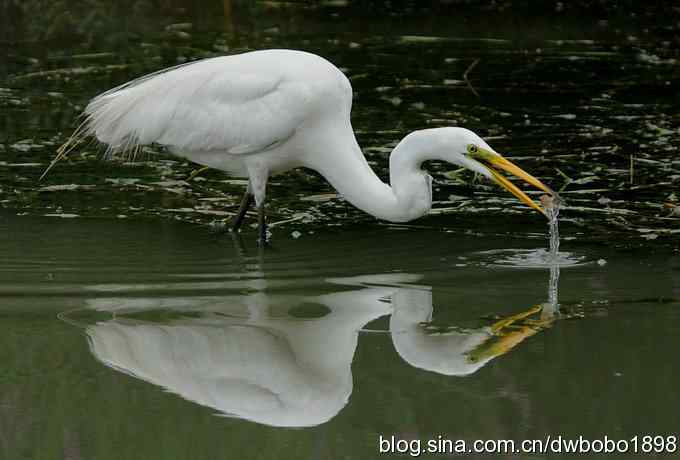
column 490, row 160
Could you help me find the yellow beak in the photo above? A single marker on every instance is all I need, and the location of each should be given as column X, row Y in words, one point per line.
column 499, row 162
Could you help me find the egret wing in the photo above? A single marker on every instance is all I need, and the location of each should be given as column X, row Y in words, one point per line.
column 213, row 104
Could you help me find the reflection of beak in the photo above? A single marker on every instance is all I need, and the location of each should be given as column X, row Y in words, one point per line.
column 508, row 333
column 500, row 345
column 499, row 162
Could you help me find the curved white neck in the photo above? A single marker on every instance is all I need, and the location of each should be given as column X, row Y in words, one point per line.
column 346, row 169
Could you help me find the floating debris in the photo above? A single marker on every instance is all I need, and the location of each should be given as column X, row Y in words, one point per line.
column 66, row 188
column 20, row 165
column 122, row 180
column 26, row 145
column 70, row 72
column 323, row 197
column 62, row 215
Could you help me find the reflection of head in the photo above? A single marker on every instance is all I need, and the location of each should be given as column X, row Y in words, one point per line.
column 452, row 351
column 446, row 353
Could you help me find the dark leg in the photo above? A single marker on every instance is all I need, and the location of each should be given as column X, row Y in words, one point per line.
column 239, row 249
column 246, row 202
column 261, row 226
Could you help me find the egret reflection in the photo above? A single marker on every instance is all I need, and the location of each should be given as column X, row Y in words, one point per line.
column 283, row 359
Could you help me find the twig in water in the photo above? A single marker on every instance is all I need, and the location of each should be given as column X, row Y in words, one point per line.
column 292, row 219
column 465, row 76
column 196, row 172
column 568, row 180
column 631, row 169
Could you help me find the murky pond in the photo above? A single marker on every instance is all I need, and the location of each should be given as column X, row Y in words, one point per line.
column 131, row 329
column 159, row 340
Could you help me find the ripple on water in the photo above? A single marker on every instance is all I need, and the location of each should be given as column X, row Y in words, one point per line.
column 530, row 258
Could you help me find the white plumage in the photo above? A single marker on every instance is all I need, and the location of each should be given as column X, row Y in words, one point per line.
column 231, row 104
column 264, row 112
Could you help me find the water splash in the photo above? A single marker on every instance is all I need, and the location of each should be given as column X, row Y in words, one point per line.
column 553, row 285
column 549, row 257
column 552, row 208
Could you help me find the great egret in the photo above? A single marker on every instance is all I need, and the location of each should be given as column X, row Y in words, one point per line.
column 264, row 112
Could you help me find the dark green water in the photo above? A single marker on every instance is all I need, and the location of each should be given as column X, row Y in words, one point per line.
column 130, row 331
column 592, row 109
column 133, row 344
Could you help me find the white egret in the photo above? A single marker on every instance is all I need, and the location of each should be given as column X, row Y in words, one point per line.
column 264, row 112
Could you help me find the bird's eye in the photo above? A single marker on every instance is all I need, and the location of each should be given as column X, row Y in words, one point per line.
column 472, row 149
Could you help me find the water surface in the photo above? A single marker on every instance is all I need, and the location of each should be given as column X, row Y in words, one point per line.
column 131, row 330
column 590, row 110
column 159, row 340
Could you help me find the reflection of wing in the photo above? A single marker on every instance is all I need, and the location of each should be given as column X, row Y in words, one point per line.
column 236, row 104
column 250, row 372
column 273, row 370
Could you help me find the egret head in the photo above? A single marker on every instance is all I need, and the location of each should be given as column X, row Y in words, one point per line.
column 462, row 147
